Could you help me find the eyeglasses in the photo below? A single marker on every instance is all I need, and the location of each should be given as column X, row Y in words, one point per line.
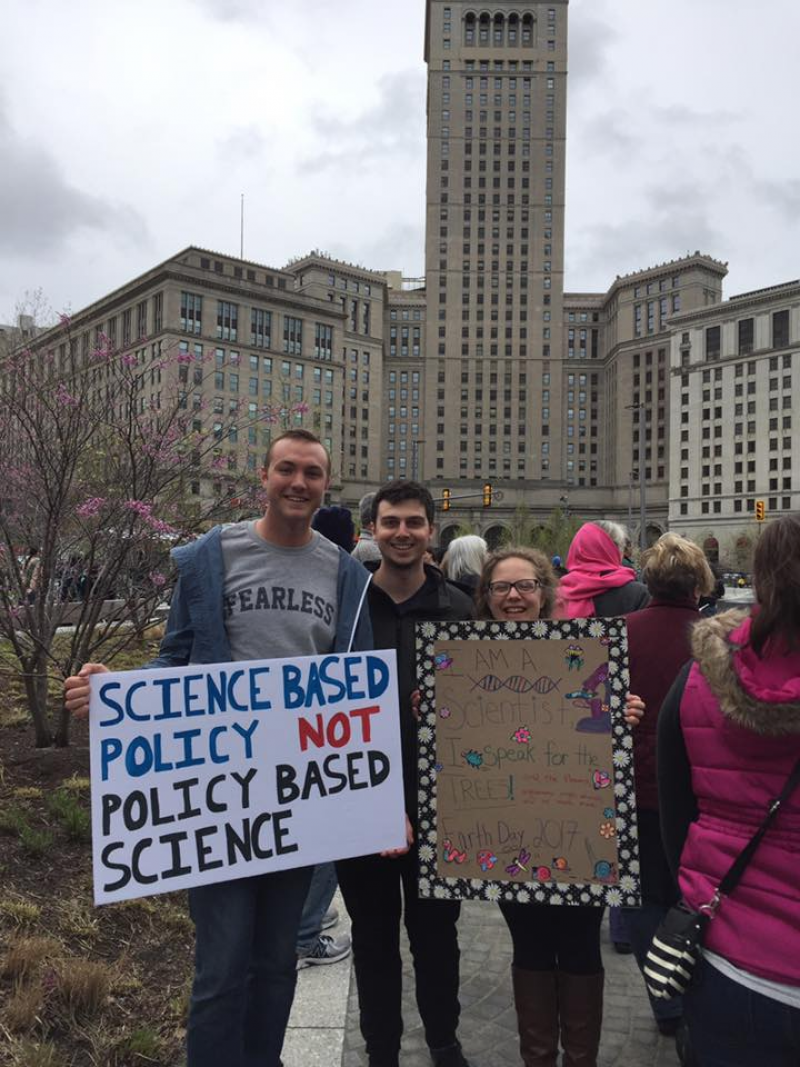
column 524, row 585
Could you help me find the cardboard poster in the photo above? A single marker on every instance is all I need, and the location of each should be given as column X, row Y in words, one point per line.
column 526, row 763
column 207, row 773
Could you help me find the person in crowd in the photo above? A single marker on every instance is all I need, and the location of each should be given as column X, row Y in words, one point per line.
column 31, row 574
column 336, row 523
column 728, row 741
column 463, row 562
column 366, row 550
column 597, row 584
column 708, row 603
column 314, row 947
column 379, row 891
column 676, row 574
column 557, row 968
column 560, row 570
column 627, row 554
column 246, row 929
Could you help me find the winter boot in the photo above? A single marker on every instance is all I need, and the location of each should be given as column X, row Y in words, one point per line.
column 536, row 1001
column 580, row 1006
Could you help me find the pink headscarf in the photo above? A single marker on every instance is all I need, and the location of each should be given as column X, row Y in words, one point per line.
column 593, row 567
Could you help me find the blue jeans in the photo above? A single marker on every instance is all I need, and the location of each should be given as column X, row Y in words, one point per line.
column 732, row 1026
column 245, row 968
column 320, row 895
column 642, row 924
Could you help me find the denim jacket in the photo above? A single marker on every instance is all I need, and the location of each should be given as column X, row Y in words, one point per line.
column 196, row 631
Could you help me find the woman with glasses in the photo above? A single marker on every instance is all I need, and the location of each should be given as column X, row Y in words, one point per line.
column 557, row 969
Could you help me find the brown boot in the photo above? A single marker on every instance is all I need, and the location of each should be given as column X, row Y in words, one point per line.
column 580, row 1006
column 536, row 1001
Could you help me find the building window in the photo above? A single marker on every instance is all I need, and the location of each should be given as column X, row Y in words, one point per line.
column 260, row 328
column 780, row 329
column 227, row 321
column 292, row 336
column 323, row 342
column 713, row 342
column 746, row 336
column 191, row 313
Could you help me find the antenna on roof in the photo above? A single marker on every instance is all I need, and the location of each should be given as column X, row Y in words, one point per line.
column 241, row 230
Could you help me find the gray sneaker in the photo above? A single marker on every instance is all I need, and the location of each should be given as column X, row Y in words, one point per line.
column 326, row 949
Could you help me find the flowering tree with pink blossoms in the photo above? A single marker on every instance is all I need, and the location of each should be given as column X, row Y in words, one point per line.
column 101, row 474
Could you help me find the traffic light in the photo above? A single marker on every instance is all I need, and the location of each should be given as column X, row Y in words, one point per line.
column 761, row 511
column 487, row 495
column 445, row 500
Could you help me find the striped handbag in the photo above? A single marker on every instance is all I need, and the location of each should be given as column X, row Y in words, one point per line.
column 677, row 943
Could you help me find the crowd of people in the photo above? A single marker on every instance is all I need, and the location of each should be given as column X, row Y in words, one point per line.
column 717, row 716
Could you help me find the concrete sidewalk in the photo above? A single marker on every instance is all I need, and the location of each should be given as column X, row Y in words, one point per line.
column 324, row 1026
column 317, row 1026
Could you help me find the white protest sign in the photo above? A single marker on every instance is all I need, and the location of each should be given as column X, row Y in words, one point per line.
column 212, row 772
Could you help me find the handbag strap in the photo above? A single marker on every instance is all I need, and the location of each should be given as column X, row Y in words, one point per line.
column 737, row 868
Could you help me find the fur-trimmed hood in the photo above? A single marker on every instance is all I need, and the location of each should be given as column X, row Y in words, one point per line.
column 762, row 695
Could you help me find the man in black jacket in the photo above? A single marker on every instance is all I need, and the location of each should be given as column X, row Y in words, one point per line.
column 379, row 889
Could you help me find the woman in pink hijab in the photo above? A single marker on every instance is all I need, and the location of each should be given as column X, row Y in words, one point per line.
column 596, row 583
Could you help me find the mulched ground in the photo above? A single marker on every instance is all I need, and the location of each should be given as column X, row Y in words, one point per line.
column 145, row 945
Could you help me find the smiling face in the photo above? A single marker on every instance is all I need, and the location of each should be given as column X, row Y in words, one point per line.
column 402, row 533
column 295, row 481
column 514, row 605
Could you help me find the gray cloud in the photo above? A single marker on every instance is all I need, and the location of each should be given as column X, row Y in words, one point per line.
column 243, row 142
column 591, row 37
column 41, row 209
column 781, row 196
column 674, row 221
column 399, row 247
column 392, row 127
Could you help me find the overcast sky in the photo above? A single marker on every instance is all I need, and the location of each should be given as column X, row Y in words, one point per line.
column 129, row 129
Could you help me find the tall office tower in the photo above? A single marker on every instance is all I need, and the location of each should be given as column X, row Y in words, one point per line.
column 497, row 87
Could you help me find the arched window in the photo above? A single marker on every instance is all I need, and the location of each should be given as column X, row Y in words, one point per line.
column 499, row 29
column 527, row 30
column 711, row 549
column 483, row 29
column 494, row 536
column 447, row 535
column 469, row 29
column 513, row 29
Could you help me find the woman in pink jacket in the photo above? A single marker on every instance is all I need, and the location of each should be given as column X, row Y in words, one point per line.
column 728, row 740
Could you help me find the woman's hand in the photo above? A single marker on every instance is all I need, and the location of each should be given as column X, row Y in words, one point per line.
column 394, row 853
column 634, row 709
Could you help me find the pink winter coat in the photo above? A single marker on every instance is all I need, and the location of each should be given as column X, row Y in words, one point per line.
column 740, row 718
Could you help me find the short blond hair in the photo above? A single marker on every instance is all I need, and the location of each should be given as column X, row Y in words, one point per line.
column 676, row 568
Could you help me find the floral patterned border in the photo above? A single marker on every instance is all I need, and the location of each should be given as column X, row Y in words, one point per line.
column 627, row 889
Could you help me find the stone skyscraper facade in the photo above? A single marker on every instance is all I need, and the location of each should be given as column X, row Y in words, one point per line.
column 494, row 252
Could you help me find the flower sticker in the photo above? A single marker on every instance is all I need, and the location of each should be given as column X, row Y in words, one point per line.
column 608, row 830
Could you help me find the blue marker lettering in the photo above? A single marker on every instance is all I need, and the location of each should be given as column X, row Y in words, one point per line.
column 247, row 734
column 109, row 703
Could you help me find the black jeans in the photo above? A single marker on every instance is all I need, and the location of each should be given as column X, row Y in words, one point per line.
column 555, row 938
column 377, row 892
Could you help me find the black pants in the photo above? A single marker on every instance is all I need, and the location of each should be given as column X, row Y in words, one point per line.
column 555, row 938
column 376, row 892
